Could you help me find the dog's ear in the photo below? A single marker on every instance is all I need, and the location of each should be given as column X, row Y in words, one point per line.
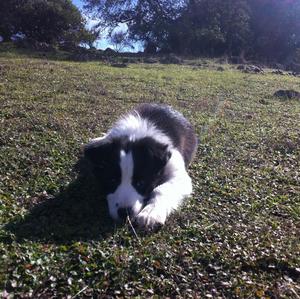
column 97, row 152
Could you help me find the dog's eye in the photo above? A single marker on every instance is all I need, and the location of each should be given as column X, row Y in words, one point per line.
column 112, row 181
column 140, row 184
column 98, row 169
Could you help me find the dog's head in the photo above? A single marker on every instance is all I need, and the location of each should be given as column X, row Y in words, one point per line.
column 127, row 171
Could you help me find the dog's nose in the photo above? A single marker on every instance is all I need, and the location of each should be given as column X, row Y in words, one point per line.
column 124, row 212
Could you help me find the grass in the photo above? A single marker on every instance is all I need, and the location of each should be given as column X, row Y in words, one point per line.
column 236, row 237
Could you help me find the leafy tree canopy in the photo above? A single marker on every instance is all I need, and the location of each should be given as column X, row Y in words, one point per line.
column 50, row 21
column 266, row 29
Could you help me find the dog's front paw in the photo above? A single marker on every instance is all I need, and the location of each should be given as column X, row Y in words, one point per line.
column 151, row 216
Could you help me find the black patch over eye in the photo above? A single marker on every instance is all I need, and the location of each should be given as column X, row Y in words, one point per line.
column 111, row 181
column 144, row 186
column 149, row 158
column 140, row 184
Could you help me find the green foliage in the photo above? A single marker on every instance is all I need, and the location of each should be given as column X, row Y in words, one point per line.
column 263, row 29
column 148, row 21
column 276, row 28
column 7, row 19
column 119, row 40
column 212, row 27
column 49, row 21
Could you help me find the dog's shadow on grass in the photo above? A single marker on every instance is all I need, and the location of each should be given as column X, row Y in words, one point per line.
column 79, row 212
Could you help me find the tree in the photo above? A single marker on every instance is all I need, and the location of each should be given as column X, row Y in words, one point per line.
column 119, row 40
column 8, row 18
column 187, row 26
column 276, row 28
column 201, row 31
column 50, row 21
column 148, row 21
column 89, row 37
column 235, row 24
column 212, row 27
column 263, row 29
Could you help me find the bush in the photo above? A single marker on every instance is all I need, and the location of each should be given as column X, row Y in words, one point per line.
column 45, row 21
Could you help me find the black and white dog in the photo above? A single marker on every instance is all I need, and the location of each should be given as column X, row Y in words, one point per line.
column 141, row 163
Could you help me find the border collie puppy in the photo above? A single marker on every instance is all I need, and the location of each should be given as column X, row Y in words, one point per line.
column 141, row 163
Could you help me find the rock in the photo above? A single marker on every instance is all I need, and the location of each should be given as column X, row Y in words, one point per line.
column 222, row 60
column 150, row 60
column 253, row 69
column 278, row 72
column 171, row 59
column 278, row 66
column 121, row 65
column 294, row 67
column 220, row 69
column 82, row 54
column 79, row 57
column 131, row 60
column 263, row 101
column 256, row 69
column 287, row 94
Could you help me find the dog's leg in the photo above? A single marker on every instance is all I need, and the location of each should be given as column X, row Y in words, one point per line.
column 168, row 196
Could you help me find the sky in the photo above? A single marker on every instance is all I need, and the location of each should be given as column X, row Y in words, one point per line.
column 78, row 3
column 103, row 43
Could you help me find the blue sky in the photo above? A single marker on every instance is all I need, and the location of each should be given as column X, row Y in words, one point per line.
column 78, row 3
column 103, row 43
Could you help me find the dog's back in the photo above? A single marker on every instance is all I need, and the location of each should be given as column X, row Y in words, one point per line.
column 174, row 125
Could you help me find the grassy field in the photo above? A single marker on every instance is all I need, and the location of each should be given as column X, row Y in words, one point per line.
column 238, row 236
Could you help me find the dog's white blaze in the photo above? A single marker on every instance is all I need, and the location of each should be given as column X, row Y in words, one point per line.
column 125, row 195
column 126, row 164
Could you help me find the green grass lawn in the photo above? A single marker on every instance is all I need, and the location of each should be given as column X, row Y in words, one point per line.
column 238, row 236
